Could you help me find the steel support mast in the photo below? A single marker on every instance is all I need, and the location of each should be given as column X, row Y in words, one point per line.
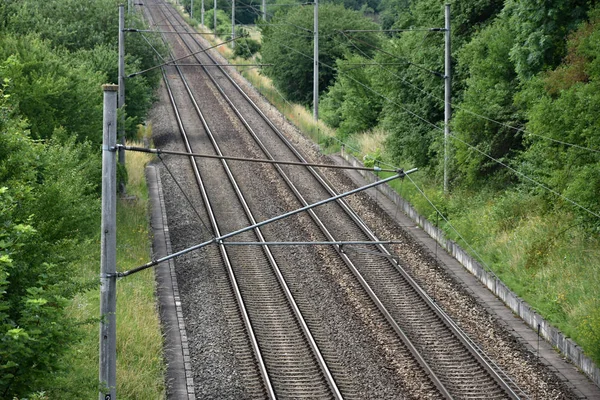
column 121, row 82
column 108, row 251
column 233, row 24
column 316, row 63
column 447, row 94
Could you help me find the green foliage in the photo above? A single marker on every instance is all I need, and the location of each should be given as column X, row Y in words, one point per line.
column 372, row 160
column 561, row 110
column 589, row 329
column 519, row 67
column 490, row 89
column 50, row 87
column 407, row 99
column 350, row 105
column 540, row 28
column 55, row 42
column 287, row 43
column 54, row 56
column 71, row 24
column 49, row 207
column 246, row 47
column 223, row 22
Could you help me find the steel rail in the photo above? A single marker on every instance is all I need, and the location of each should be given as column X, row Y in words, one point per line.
column 291, row 301
column 235, row 287
column 379, row 304
column 482, row 358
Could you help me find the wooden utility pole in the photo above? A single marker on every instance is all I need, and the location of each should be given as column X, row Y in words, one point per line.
column 108, row 252
column 447, row 94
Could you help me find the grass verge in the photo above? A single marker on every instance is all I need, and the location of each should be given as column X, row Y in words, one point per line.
column 140, row 365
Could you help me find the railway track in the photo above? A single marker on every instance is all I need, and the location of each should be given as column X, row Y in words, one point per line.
column 291, row 356
column 288, row 360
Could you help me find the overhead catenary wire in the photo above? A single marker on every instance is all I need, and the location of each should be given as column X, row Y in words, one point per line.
column 436, row 73
column 153, row 48
column 173, row 61
column 461, row 108
column 212, row 234
column 452, row 135
column 256, row 160
column 221, row 238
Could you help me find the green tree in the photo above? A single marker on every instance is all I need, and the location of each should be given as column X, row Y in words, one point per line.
column 47, row 205
column 70, row 24
column 288, row 45
column 411, row 77
column 70, row 32
column 540, row 28
column 223, row 22
column 52, row 88
column 491, row 86
column 563, row 106
column 245, row 47
column 350, row 105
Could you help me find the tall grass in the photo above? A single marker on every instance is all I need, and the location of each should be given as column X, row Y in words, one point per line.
column 140, row 366
column 543, row 254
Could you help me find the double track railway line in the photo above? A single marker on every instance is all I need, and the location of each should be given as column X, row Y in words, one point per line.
column 284, row 344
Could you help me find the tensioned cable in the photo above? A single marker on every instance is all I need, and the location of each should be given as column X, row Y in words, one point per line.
column 438, row 74
column 438, row 212
column 186, row 197
column 256, row 160
column 175, row 179
column 526, row 177
column 151, row 46
column 173, row 61
column 512, row 169
column 452, row 135
column 220, row 239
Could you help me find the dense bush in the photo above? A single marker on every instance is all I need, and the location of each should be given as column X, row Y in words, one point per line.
column 48, row 204
column 88, row 31
column 246, row 47
column 54, row 57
